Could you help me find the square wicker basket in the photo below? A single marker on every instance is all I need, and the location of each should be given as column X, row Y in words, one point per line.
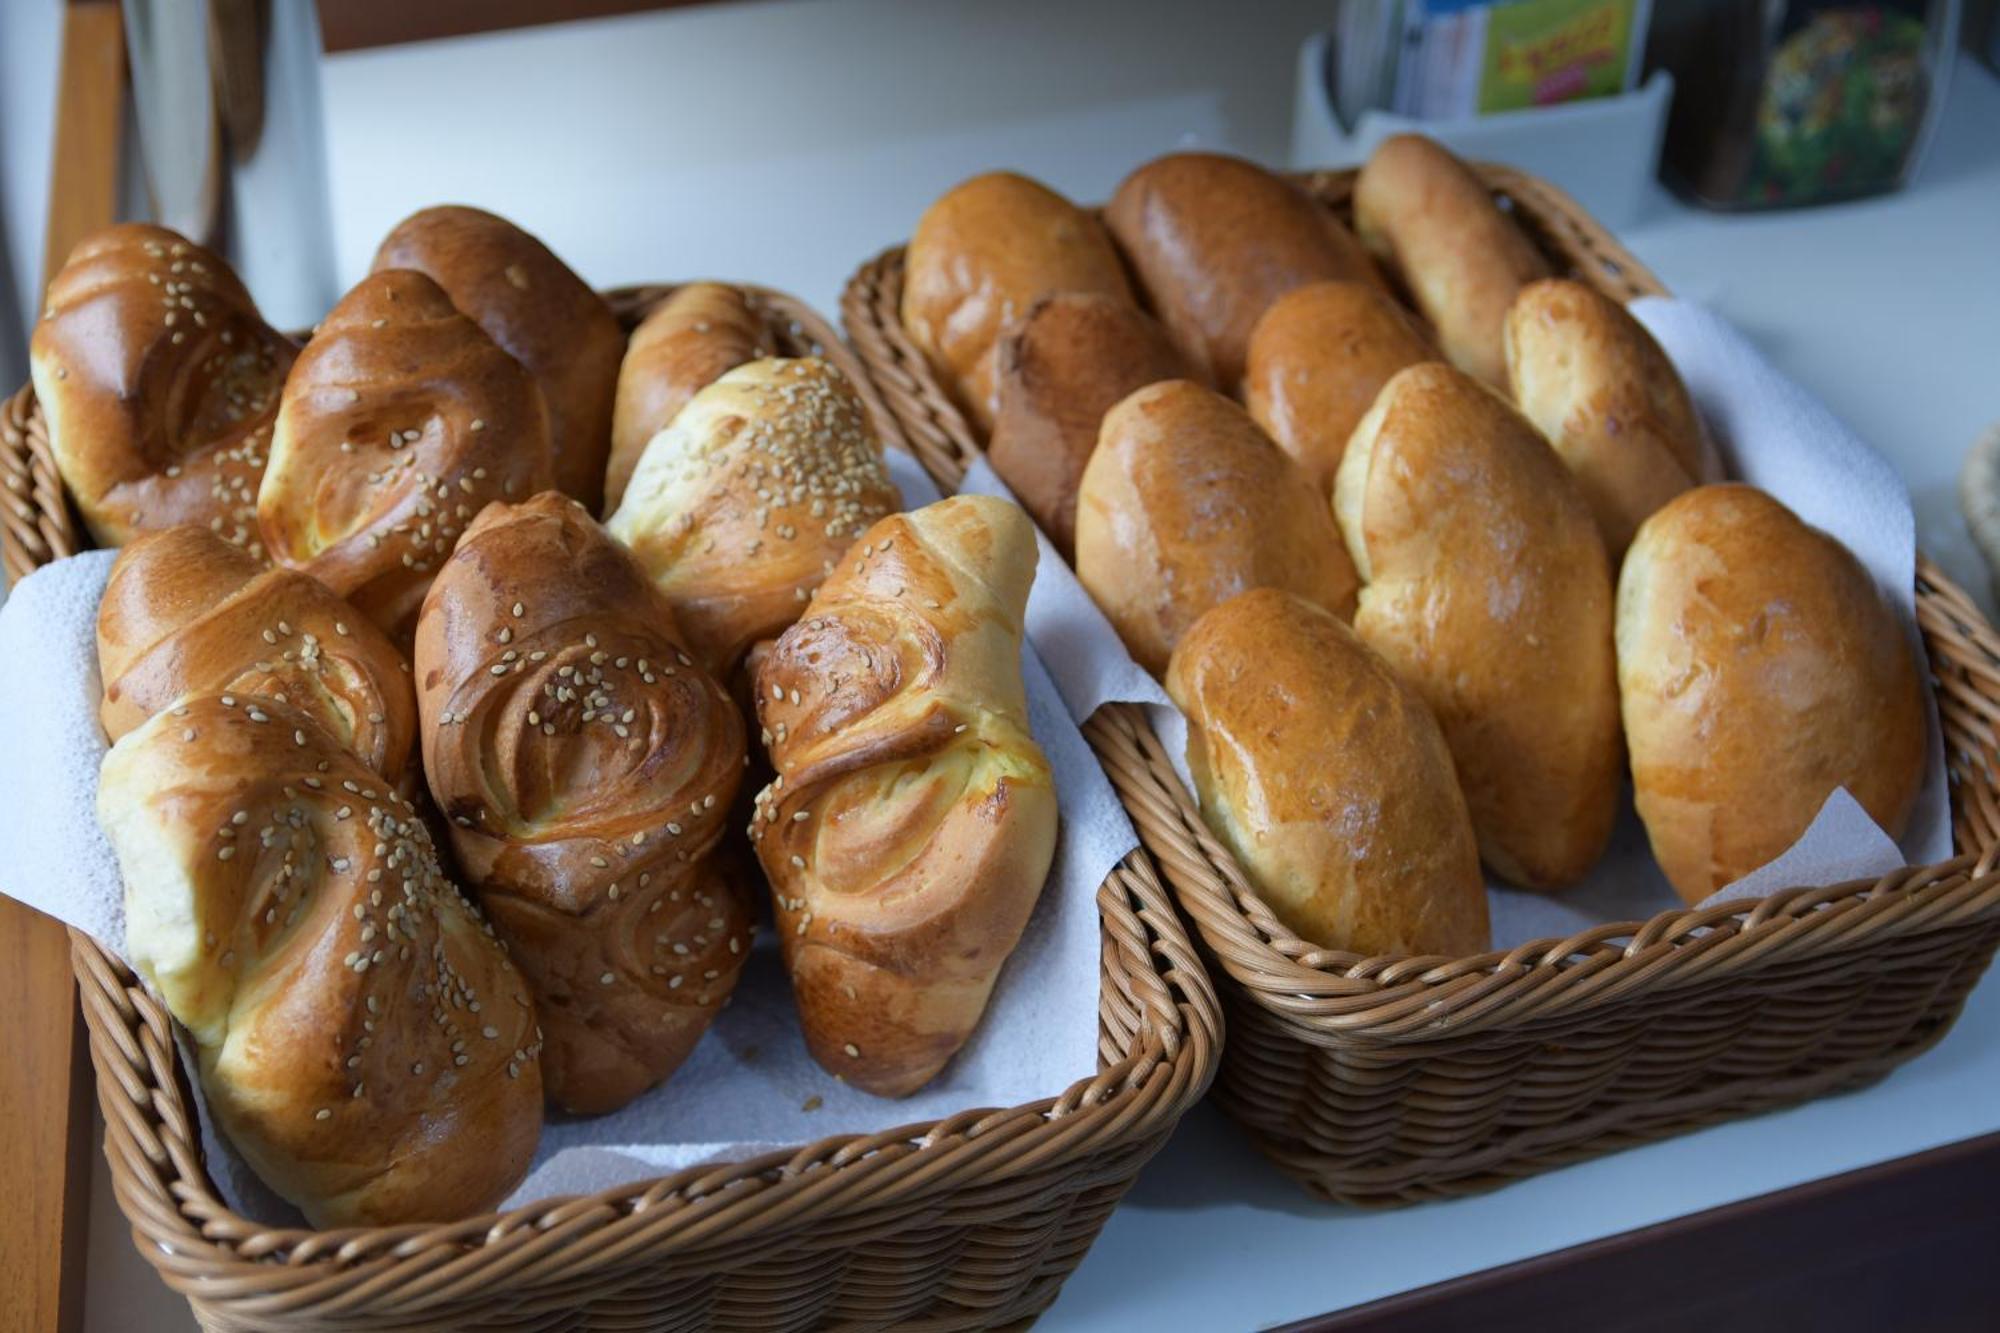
column 970, row 1222
column 1386, row 1080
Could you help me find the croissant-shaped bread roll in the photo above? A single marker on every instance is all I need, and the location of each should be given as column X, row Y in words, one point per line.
column 362, row 1037
column 159, row 381
column 742, row 506
column 187, row 613
column 399, row 423
column 586, row 766
column 540, row 313
column 701, row 331
column 912, row 819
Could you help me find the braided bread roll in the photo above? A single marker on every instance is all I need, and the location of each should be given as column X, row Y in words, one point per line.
column 586, row 766
column 187, row 613
column 362, row 1037
column 159, row 381
column 913, row 817
column 742, row 506
column 399, row 423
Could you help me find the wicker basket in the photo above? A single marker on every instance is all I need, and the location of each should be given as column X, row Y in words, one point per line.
column 970, row 1222
column 1387, row 1080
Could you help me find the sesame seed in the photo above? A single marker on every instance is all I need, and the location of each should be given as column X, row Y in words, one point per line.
column 606, row 979
column 851, row 1049
column 323, row 1114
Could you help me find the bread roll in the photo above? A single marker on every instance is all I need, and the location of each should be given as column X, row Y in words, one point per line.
column 362, row 1038
column 1600, row 389
column 1435, row 223
column 185, row 612
column 540, row 313
column 159, row 381
column 1215, row 240
column 1185, row 504
column 1328, row 778
column 980, row 256
column 1318, row 358
column 690, row 339
column 1067, row 363
column 1759, row 668
column 1484, row 583
column 399, row 423
column 586, row 766
column 913, row 818
column 742, row 506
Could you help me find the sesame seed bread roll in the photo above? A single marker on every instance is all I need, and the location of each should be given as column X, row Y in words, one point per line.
column 1185, row 504
column 1759, row 668
column 1318, row 358
column 585, row 766
column 362, row 1037
column 159, row 382
column 984, row 252
column 1462, row 260
column 186, row 612
column 742, row 506
column 400, row 421
column 912, row 819
column 1328, row 778
column 1214, row 241
column 539, row 312
column 1603, row 393
column 1485, row 585
column 701, row 331
column 1066, row 363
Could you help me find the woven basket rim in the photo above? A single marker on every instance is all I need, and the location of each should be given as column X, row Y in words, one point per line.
column 1160, row 1025
column 1335, row 998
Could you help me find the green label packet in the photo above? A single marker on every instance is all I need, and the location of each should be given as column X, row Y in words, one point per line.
column 1543, row 51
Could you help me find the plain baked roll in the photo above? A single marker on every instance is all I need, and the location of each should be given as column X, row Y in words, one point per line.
column 1485, row 584
column 1603, row 393
column 742, row 506
column 159, row 382
column 1066, row 363
column 539, row 312
column 912, row 819
column 401, row 420
column 1759, row 668
column 985, row 251
column 691, row 339
column 1185, row 504
column 1435, row 224
column 186, row 612
column 362, row 1037
column 1317, row 359
column 1214, row 241
column 1327, row 777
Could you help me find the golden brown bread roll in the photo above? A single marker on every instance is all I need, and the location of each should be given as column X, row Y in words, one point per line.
column 1317, row 359
column 362, row 1037
column 1435, row 223
column 586, row 766
column 1185, row 504
column 912, row 819
column 400, row 422
column 1067, row 362
column 980, row 256
column 1214, row 241
column 742, row 506
column 159, row 381
column 1759, row 668
column 690, row 339
column 185, row 612
column 1603, row 393
column 1484, row 583
column 1328, row 778
column 540, row 313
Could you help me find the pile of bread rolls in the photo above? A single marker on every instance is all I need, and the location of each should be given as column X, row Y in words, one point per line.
column 1426, row 540
column 425, row 781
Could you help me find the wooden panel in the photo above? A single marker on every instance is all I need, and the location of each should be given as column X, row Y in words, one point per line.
column 352, row 24
column 90, row 104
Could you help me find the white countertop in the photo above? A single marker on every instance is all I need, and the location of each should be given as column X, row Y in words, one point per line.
column 784, row 142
